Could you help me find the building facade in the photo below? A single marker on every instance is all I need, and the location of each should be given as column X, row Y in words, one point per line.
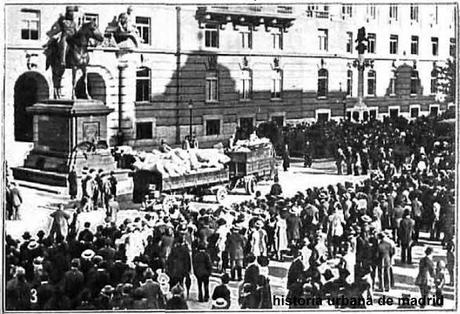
column 213, row 68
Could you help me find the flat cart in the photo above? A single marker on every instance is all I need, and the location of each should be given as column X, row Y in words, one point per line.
column 149, row 182
column 248, row 167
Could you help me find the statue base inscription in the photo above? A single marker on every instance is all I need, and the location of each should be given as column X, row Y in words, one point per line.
column 67, row 133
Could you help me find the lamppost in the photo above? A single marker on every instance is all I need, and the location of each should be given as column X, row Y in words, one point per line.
column 190, row 108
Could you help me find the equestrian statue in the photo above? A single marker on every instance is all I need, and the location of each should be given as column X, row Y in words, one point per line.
column 67, row 48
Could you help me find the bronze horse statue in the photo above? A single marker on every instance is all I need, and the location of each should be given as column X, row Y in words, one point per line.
column 77, row 57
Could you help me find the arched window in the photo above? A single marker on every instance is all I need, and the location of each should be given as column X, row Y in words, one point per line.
column 277, row 83
column 323, row 77
column 143, row 84
column 246, row 84
column 434, row 78
column 414, row 82
column 349, row 82
column 371, row 82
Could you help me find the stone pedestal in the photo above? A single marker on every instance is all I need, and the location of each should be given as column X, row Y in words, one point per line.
column 66, row 133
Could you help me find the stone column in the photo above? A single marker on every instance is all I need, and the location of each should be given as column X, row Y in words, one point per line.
column 126, row 100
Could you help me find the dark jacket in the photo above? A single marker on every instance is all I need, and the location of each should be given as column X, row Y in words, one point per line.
column 294, row 272
column 152, row 291
column 178, row 263
column 176, row 303
column 406, row 231
column 202, row 265
column 251, row 275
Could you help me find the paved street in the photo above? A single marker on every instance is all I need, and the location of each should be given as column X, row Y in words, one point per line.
column 38, row 205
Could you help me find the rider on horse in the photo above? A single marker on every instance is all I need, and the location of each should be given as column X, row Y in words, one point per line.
column 62, row 30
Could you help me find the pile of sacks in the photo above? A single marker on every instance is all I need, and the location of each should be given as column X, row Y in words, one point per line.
column 179, row 162
column 250, row 144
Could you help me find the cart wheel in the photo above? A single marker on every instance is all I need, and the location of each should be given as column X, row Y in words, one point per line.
column 221, row 194
column 250, row 186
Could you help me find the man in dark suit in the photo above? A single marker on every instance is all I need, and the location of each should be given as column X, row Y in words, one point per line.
column 235, row 248
column 385, row 252
column 251, row 275
column 202, row 267
column 406, row 235
column 178, row 264
column 74, row 281
column 296, row 269
column 425, row 273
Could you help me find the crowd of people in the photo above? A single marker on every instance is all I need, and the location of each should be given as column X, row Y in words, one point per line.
column 340, row 240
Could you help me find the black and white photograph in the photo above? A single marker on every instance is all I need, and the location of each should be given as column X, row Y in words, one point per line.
column 229, row 156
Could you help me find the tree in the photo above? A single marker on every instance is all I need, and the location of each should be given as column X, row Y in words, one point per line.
column 446, row 81
column 271, row 131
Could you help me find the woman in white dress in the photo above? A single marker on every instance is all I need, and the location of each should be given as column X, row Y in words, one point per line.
column 281, row 237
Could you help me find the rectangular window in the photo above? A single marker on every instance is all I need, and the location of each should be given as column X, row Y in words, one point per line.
column 246, row 85
column 434, row 110
column 213, row 127
column 414, row 12
column 246, row 40
column 277, row 84
column 373, row 114
column 452, row 47
column 144, row 130
column 349, row 42
column 211, row 36
column 436, row 14
column 349, row 83
column 392, row 86
column 317, row 11
column 143, row 28
column 434, row 81
column 347, row 10
column 370, row 11
column 277, row 40
column 371, row 43
column 414, row 112
column 30, row 20
column 394, row 112
column 414, row 45
column 247, row 126
column 323, row 39
column 322, row 117
column 91, row 17
column 393, row 44
column 212, row 89
column 414, row 83
column 279, row 120
column 434, row 45
column 371, row 83
column 393, row 12
column 143, row 84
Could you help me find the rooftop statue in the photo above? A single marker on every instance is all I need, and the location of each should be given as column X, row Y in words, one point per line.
column 124, row 30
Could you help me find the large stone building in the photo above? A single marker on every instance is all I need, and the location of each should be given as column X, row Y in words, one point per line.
column 219, row 67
